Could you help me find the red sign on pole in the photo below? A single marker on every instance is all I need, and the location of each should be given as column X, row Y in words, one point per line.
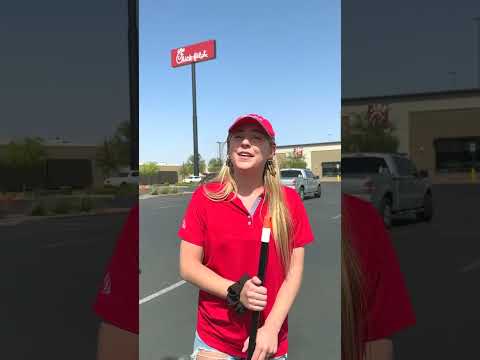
column 187, row 55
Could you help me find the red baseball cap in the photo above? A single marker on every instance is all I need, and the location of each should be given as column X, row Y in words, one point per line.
column 254, row 119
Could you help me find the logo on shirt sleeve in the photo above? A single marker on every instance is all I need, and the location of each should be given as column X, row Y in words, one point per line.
column 107, row 284
column 184, row 224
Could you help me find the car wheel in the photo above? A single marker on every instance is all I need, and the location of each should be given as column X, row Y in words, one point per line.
column 386, row 211
column 319, row 192
column 301, row 192
column 427, row 213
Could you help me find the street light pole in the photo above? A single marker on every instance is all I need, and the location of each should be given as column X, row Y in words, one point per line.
column 477, row 23
column 195, row 133
column 220, row 150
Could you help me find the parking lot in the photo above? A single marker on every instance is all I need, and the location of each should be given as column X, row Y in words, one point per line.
column 441, row 264
column 168, row 304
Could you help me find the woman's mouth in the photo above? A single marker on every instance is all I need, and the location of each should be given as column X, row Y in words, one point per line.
column 244, row 154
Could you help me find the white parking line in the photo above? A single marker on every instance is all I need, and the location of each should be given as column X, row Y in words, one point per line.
column 336, row 217
column 161, row 292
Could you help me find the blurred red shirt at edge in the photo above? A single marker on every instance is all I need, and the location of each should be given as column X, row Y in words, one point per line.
column 388, row 305
column 117, row 300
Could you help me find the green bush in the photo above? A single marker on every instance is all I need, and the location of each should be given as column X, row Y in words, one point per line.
column 164, row 190
column 154, row 191
column 86, row 204
column 39, row 209
column 174, row 190
column 62, row 206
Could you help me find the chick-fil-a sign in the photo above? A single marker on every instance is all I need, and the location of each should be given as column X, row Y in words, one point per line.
column 186, row 55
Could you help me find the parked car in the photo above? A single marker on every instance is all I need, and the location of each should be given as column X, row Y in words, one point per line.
column 192, row 179
column 390, row 181
column 208, row 177
column 124, row 178
column 304, row 181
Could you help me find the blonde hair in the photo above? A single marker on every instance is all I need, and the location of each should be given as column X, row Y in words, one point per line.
column 281, row 220
column 353, row 302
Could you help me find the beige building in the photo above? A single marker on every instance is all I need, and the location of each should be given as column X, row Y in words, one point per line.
column 322, row 158
column 439, row 131
column 67, row 165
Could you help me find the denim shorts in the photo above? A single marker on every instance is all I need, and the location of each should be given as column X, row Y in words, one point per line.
column 200, row 345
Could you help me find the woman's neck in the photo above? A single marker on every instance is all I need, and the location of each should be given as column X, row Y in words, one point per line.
column 247, row 184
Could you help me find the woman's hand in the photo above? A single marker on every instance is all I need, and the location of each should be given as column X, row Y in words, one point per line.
column 266, row 345
column 253, row 296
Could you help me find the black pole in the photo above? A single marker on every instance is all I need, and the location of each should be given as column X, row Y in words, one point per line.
column 195, row 133
column 133, row 79
column 256, row 314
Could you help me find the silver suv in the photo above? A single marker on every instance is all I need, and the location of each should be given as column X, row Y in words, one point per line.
column 304, row 181
column 390, row 181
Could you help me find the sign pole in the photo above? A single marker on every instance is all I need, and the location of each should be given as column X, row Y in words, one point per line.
column 189, row 55
column 195, row 134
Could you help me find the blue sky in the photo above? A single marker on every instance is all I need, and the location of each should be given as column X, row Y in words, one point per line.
column 275, row 58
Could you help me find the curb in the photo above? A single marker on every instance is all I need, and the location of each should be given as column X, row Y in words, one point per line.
column 148, row 196
column 16, row 220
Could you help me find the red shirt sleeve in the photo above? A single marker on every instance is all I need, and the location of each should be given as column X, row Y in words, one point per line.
column 192, row 228
column 389, row 309
column 302, row 231
column 117, row 300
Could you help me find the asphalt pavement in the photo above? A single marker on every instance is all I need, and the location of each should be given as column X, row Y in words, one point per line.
column 168, row 304
column 51, row 270
column 441, row 264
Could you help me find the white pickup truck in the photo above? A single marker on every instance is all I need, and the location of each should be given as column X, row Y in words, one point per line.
column 390, row 181
column 124, row 178
column 304, row 181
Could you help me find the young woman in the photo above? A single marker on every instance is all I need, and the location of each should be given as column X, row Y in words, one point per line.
column 116, row 302
column 220, row 248
column 375, row 302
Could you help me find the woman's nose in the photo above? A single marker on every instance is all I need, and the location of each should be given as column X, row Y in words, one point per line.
column 245, row 141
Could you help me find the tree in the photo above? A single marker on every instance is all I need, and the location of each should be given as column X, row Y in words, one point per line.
column 106, row 158
column 293, row 161
column 214, row 165
column 115, row 151
column 369, row 135
column 25, row 161
column 122, row 141
column 149, row 168
column 185, row 170
column 27, row 153
column 187, row 167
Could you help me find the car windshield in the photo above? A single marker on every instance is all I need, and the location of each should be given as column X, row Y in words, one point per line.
column 362, row 165
column 289, row 173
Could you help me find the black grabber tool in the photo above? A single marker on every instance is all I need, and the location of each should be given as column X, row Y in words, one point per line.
column 266, row 230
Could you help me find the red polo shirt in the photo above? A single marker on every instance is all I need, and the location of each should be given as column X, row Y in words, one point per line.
column 387, row 302
column 230, row 238
column 117, row 300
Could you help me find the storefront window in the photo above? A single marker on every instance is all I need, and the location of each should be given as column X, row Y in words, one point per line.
column 457, row 154
column 331, row 169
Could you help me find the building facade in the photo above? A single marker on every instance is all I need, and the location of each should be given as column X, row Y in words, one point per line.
column 439, row 131
column 322, row 158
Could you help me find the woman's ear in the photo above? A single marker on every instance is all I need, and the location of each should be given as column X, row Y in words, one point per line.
column 274, row 149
